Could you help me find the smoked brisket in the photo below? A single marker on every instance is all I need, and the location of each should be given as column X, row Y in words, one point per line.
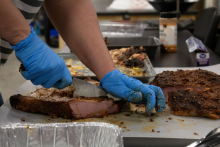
column 195, row 102
column 60, row 103
column 129, row 57
column 182, row 79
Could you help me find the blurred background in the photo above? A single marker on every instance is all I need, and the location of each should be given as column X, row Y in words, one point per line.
column 109, row 12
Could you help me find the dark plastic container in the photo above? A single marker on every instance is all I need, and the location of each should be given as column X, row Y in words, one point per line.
column 170, row 5
column 54, row 42
column 151, row 44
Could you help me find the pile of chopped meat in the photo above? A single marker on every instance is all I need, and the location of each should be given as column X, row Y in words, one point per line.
column 130, row 57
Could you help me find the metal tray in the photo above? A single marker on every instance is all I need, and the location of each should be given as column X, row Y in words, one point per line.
column 151, row 43
column 147, row 78
column 88, row 134
column 122, row 29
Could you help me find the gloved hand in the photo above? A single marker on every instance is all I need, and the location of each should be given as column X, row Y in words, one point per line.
column 43, row 66
column 122, row 86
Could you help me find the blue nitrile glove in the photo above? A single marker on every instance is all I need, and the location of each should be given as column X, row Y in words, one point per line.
column 43, row 66
column 122, row 86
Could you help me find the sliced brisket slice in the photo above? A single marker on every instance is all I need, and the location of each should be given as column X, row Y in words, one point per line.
column 195, row 102
column 59, row 103
column 178, row 80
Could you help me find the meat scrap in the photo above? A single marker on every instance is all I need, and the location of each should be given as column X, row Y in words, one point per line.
column 22, row 68
column 182, row 79
column 195, row 102
column 61, row 103
column 88, row 79
column 129, row 57
column 23, row 119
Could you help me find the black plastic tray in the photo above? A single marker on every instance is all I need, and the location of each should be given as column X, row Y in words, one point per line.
column 151, row 44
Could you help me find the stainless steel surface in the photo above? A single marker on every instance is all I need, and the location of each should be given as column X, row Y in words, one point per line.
column 122, row 29
column 77, row 63
column 86, row 89
column 194, row 144
column 65, row 50
column 87, row 134
column 119, row 42
column 149, row 68
column 212, row 139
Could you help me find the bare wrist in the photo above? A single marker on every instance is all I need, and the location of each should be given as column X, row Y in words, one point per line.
column 19, row 35
column 103, row 72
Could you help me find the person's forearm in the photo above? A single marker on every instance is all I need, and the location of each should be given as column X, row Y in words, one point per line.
column 77, row 23
column 13, row 26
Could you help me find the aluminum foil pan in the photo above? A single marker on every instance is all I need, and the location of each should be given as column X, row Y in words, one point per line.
column 88, row 134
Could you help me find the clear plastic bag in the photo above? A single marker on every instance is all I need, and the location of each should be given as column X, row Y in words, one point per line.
column 195, row 44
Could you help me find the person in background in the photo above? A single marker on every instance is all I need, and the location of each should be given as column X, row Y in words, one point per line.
column 76, row 21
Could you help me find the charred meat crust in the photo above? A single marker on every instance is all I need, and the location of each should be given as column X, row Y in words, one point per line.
column 195, row 102
column 53, row 108
column 179, row 80
column 195, row 78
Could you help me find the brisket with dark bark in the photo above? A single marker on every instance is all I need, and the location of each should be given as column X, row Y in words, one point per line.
column 179, row 80
column 195, row 102
column 129, row 57
column 60, row 103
